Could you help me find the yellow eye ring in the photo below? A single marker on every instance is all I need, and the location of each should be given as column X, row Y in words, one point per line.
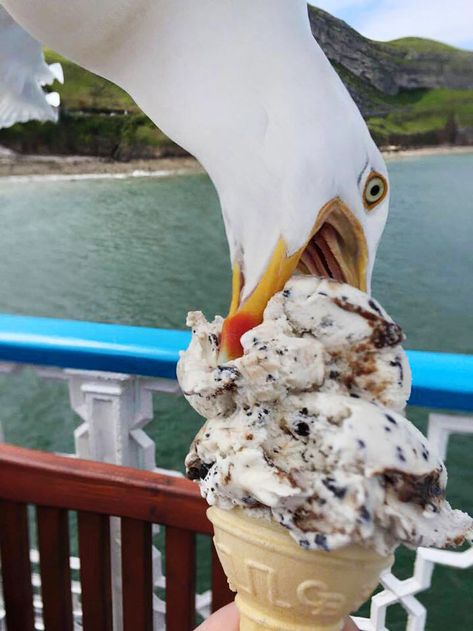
column 375, row 190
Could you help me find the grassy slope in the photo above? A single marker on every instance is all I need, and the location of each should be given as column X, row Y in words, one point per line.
column 423, row 112
column 412, row 112
column 85, row 90
column 422, row 45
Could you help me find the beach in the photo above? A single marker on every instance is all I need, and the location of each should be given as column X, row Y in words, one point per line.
column 418, row 152
column 18, row 165
column 66, row 167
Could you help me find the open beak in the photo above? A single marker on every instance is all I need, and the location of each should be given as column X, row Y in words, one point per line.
column 336, row 248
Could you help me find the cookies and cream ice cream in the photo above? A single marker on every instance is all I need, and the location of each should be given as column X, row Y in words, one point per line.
column 306, row 427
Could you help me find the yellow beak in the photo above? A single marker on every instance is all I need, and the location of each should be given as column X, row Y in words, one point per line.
column 336, row 247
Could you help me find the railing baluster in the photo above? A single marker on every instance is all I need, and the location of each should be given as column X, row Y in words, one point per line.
column 16, row 566
column 137, row 575
column 180, row 579
column 53, row 543
column 221, row 593
column 94, row 552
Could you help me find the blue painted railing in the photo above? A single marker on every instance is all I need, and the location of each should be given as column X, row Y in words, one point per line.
column 440, row 380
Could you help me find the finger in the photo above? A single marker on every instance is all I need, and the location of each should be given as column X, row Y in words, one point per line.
column 226, row 619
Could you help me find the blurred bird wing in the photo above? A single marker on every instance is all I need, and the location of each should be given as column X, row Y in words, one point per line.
column 22, row 73
column 56, row 72
column 53, row 99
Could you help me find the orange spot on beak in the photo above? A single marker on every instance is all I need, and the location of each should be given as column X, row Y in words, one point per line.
column 243, row 317
column 233, row 328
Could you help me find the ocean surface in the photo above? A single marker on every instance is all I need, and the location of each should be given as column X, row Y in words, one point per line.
column 144, row 251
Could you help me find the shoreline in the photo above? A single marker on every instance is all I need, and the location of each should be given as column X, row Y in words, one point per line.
column 21, row 168
column 415, row 152
column 55, row 168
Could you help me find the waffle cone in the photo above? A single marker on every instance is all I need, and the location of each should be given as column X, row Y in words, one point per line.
column 281, row 586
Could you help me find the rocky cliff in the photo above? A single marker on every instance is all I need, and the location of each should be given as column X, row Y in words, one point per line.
column 405, row 64
column 412, row 91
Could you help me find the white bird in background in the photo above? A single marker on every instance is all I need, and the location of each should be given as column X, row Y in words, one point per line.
column 244, row 87
column 23, row 72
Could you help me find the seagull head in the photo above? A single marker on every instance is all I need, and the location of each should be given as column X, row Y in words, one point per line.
column 317, row 204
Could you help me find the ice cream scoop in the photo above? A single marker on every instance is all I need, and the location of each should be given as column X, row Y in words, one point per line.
column 331, row 469
column 317, row 335
column 304, row 429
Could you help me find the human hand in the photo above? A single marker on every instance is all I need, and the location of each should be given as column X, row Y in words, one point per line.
column 228, row 619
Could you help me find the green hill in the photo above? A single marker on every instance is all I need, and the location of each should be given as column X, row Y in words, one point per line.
column 414, row 117
column 83, row 90
column 422, row 45
column 411, row 91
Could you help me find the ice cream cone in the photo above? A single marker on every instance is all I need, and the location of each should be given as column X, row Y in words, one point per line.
column 281, row 586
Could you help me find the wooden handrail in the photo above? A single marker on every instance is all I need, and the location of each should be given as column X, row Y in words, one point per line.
column 35, row 477
column 95, row 491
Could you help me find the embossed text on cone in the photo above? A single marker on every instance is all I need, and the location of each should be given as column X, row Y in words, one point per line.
column 281, row 586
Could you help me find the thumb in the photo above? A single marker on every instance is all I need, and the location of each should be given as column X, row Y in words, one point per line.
column 226, row 618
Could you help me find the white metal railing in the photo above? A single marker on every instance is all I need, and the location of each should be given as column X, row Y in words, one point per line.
column 115, row 409
column 440, row 428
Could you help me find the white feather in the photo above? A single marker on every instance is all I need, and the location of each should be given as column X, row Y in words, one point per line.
column 57, row 72
column 53, row 99
column 22, row 73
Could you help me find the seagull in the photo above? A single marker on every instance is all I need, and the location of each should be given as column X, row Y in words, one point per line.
column 245, row 88
column 23, row 73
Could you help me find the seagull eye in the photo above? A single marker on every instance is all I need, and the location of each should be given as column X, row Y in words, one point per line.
column 375, row 190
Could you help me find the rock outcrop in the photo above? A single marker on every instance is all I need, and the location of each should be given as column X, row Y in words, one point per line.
column 388, row 67
column 411, row 91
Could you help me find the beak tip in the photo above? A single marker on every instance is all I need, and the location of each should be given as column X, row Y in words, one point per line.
column 233, row 328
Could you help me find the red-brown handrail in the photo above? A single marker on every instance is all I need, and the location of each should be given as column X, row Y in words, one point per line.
column 56, row 484
column 35, row 477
